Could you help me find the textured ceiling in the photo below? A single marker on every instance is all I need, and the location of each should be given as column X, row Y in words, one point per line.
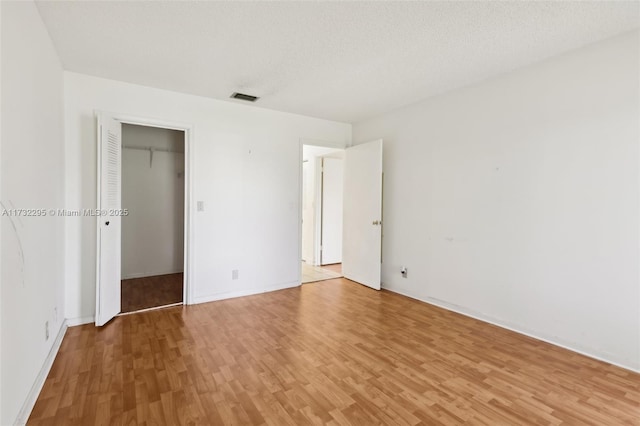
column 343, row 61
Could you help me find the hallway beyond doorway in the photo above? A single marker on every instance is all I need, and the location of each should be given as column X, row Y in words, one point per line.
column 312, row 273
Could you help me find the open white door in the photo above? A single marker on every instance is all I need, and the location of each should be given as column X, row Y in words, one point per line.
column 332, row 186
column 362, row 224
column 109, row 225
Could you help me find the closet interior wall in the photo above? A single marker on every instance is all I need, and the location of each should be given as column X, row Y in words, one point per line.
column 153, row 195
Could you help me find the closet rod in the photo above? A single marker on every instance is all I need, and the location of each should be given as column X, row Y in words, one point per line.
column 150, row 148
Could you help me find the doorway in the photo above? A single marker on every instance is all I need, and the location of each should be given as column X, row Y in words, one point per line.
column 153, row 228
column 322, row 170
column 111, row 212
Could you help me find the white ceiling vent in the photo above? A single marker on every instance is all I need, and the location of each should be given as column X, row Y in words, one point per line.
column 243, row 97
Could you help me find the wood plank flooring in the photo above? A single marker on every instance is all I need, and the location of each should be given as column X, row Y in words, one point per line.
column 149, row 292
column 335, row 267
column 332, row 352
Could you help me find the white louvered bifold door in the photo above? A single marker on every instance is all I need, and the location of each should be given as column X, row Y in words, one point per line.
column 109, row 225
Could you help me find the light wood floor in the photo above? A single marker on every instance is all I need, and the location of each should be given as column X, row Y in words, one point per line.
column 335, row 267
column 149, row 292
column 312, row 273
column 332, row 352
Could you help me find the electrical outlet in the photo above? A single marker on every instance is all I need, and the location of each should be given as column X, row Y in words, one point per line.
column 403, row 271
column 46, row 330
column 200, row 206
column 234, row 274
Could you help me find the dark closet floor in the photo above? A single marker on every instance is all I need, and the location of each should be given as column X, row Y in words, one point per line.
column 150, row 292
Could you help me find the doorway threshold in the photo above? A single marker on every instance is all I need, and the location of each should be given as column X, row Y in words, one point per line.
column 312, row 273
column 154, row 308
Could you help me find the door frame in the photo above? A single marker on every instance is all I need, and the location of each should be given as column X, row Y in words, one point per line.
column 189, row 162
column 301, row 143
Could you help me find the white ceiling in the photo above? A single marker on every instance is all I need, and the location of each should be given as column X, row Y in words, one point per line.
column 344, row 61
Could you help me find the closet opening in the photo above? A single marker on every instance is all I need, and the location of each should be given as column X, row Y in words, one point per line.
column 153, row 228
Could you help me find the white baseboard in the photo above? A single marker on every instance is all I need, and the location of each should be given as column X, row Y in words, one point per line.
column 242, row 293
column 32, row 397
column 72, row 322
column 484, row 318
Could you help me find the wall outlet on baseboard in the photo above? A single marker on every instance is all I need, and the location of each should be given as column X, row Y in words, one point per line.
column 234, row 274
column 46, row 330
column 403, row 271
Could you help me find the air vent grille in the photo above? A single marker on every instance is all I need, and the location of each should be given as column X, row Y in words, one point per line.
column 243, row 97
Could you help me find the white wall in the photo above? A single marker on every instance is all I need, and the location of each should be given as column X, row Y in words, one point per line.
column 247, row 172
column 1, row 118
column 153, row 194
column 516, row 200
column 32, row 177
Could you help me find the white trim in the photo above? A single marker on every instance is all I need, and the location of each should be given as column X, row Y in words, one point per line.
column 98, row 121
column 242, row 293
column 72, row 322
column 324, row 144
column 300, row 198
column 189, row 160
column 189, row 212
column 36, row 388
column 476, row 315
